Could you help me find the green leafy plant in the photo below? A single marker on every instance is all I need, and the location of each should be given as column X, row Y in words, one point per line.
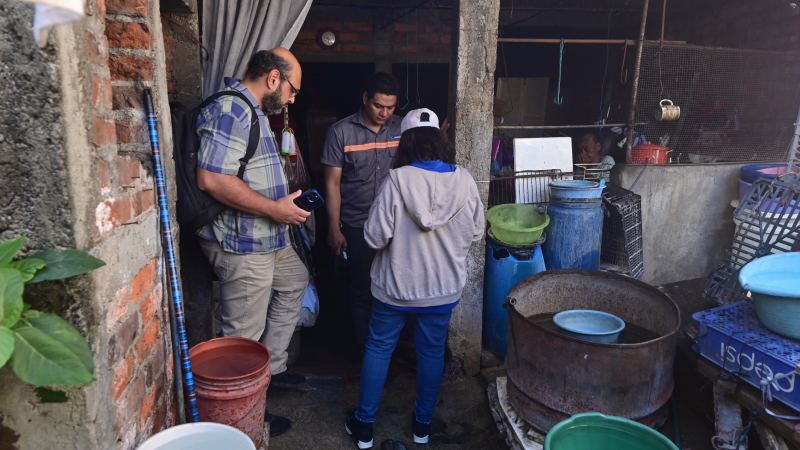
column 43, row 349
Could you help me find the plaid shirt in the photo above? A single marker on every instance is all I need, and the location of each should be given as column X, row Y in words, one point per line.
column 224, row 128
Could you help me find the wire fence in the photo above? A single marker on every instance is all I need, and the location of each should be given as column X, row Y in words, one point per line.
column 736, row 105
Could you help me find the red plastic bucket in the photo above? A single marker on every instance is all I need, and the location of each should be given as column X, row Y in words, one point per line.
column 231, row 378
column 650, row 154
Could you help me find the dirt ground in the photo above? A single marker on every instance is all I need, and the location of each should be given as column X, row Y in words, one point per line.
column 462, row 421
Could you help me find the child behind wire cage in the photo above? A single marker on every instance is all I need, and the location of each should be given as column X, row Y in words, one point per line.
column 422, row 224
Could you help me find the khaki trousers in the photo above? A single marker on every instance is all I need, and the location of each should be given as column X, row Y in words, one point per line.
column 245, row 282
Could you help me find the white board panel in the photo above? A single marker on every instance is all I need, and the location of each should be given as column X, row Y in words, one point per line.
column 540, row 154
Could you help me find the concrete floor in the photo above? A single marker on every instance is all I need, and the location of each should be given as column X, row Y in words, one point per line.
column 462, row 420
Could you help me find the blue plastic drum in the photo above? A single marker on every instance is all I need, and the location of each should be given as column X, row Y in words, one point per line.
column 505, row 267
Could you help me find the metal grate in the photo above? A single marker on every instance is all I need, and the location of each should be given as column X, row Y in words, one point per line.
column 736, row 105
column 622, row 231
column 529, row 186
column 768, row 221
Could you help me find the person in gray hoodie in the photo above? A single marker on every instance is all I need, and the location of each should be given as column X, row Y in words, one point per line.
column 422, row 224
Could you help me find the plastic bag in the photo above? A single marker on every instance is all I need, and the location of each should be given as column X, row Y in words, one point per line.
column 310, row 309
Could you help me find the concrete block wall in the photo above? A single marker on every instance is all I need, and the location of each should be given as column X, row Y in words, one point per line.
column 86, row 158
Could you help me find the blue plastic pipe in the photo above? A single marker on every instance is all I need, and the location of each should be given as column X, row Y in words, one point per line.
column 172, row 265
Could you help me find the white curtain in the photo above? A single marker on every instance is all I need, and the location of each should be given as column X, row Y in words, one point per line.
column 235, row 29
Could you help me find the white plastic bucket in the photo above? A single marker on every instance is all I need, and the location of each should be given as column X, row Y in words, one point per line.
column 199, row 436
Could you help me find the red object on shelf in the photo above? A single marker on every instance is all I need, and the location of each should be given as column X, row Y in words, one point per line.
column 650, row 154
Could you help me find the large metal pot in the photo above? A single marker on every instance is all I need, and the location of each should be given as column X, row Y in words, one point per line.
column 553, row 375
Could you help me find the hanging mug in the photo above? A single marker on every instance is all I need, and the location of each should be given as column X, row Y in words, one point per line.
column 668, row 111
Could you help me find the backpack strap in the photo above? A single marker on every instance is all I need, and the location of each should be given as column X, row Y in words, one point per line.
column 255, row 129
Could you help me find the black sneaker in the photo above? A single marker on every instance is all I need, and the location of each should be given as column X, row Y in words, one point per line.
column 360, row 432
column 287, row 381
column 421, row 431
column 277, row 424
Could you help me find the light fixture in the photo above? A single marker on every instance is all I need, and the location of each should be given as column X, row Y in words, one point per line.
column 326, row 38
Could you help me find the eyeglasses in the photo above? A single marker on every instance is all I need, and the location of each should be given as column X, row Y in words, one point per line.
column 295, row 91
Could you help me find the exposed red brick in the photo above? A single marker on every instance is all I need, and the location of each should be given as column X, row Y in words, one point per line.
column 103, row 132
column 405, row 27
column 128, row 35
column 96, row 91
column 127, row 97
column 356, row 48
column 123, row 373
column 107, row 93
column 145, row 199
column 127, row 7
column 128, row 405
column 144, row 280
column 130, row 68
column 103, row 174
column 150, row 307
column 123, row 337
column 121, row 212
column 148, row 339
column 154, row 368
column 128, row 169
column 148, row 405
column 359, row 26
column 118, row 307
column 160, row 416
column 131, row 132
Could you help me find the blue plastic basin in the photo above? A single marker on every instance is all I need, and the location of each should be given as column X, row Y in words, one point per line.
column 590, row 325
column 576, row 190
column 774, row 284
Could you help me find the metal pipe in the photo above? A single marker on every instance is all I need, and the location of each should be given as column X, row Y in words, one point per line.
column 556, row 127
column 577, row 41
column 172, row 264
column 635, row 85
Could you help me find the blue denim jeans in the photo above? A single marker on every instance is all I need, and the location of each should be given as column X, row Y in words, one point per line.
column 430, row 335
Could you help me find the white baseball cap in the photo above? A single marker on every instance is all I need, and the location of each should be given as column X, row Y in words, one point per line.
column 422, row 117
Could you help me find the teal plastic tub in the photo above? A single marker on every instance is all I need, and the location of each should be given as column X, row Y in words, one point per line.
column 774, row 285
column 595, row 431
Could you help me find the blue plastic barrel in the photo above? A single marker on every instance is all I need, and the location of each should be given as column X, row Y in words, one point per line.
column 505, row 267
column 574, row 236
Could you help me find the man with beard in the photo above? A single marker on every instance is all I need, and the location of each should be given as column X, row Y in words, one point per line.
column 248, row 244
column 357, row 155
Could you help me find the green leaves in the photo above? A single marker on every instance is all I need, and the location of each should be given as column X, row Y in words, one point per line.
column 6, row 345
column 50, row 351
column 11, row 287
column 60, row 264
column 9, row 249
column 44, row 349
column 28, row 267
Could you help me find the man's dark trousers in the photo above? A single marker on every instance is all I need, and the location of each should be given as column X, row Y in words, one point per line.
column 359, row 261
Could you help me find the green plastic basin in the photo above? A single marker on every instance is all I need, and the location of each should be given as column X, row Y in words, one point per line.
column 595, row 431
column 517, row 224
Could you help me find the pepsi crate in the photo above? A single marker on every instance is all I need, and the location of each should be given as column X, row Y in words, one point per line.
column 731, row 337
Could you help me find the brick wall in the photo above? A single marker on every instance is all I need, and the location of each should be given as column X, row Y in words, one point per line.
column 738, row 23
column 420, row 37
column 123, row 58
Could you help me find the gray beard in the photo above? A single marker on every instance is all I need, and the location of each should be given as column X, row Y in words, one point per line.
column 271, row 103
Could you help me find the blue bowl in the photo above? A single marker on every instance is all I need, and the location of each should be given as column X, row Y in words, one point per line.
column 590, row 325
column 774, row 285
column 576, row 190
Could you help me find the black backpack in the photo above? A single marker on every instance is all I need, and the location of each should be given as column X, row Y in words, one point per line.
column 195, row 207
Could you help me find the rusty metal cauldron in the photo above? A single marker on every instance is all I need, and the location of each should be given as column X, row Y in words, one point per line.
column 554, row 375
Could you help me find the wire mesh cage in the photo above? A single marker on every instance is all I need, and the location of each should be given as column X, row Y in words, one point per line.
column 528, row 186
column 735, row 104
column 623, row 246
column 768, row 221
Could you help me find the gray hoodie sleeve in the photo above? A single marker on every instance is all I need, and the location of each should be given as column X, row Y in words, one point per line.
column 478, row 215
column 379, row 227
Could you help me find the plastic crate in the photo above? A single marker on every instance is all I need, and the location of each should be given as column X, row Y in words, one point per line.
column 731, row 337
column 623, row 245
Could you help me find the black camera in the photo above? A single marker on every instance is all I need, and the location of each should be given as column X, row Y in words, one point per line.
column 309, row 200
